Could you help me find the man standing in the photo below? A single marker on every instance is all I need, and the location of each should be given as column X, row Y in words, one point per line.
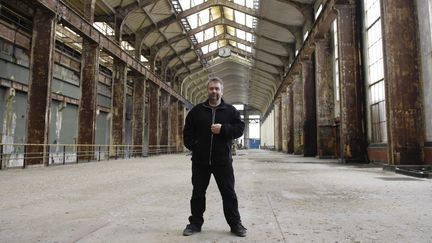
column 208, row 132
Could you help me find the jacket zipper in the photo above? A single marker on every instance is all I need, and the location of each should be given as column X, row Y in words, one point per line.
column 211, row 138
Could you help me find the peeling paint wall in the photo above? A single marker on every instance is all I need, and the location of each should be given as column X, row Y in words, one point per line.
column 267, row 131
column 13, row 120
column 424, row 10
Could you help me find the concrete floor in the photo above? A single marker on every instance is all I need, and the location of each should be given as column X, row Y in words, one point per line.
column 283, row 198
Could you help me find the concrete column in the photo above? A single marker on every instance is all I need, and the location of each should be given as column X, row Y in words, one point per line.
column 88, row 102
column 290, row 119
column 39, row 94
column 180, row 127
column 89, row 7
column 403, row 86
column 164, row 119
column 246, row 129
column 298, row 114
column 119, row 101
column 278, row 125
column 326, row 135
column 352, row 133
column 153, row 94
column 173, row 114
column 284, row 129
column 309, row 109
column 138, row 115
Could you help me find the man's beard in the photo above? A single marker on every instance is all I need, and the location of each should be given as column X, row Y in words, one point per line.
column 214, row 97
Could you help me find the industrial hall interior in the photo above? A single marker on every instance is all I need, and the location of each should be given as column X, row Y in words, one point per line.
column 336, row 97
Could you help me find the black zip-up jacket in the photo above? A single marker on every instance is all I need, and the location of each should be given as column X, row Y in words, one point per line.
column 206, row 147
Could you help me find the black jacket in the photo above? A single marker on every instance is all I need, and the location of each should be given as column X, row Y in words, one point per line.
column 208, row 148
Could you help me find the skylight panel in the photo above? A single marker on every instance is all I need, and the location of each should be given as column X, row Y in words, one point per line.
column 240, row 17
column 204, row 49
column 223, row 43
column 228, row 13
column 248, row 36
column 210, row 47
column 209, row 33
column 193, row 20
column 249, row 4
column 213, row 46
column 230, row 30
column 196, row 2
column 219, row 29
column 240, row 2
column 204, row 16
column 241, row 34
column 200, row 36
column 241, row 46
column 185, row 4
column 249, row 21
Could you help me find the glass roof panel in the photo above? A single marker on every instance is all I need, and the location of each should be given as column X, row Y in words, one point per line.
column 241, row 46
column 249, row 21
column 248, row 36
column 241, row 2
column 241, row 34
column 200, row 18
column 209, row 14
column 210, row 47
column 219, row 29
column 213, row 46
column 228, row 13
column 209, row 33
column 200, row 36
column 230, row 30
column 240, row 17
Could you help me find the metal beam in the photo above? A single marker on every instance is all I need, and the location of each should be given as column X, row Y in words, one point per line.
column 86, row 30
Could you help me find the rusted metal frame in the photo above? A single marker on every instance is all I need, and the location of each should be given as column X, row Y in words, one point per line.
column 250, row 11
column 74, row 21
column 14, row 35
column 318, row 29
column 219, row 21
column 165, row 40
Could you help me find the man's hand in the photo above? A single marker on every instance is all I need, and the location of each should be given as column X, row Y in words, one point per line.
column 216, row 128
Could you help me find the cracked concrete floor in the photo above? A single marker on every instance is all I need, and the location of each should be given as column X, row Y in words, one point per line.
column 282, row 198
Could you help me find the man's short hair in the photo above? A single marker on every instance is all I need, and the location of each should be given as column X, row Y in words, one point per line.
column 215, row 80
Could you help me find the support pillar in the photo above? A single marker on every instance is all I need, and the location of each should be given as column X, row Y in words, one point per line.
column 352, row 135
column 180, row 127
column 153, row 117
column 290, row 119
column 138, row 115
column 88, row 102
column 246, row 129
column 284, row 119
column 298, row 114
column 119, row 101
column 39, row 94
column 309, row 105
column 403, row 86
column 164, row 120
column 326, row 136
column 173, row 134
column 278, row 127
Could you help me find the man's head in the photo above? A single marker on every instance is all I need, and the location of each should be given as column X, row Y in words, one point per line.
column 215, row 90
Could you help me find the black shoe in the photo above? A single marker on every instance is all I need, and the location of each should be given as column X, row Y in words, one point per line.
column 191, row 229
column 239, row 230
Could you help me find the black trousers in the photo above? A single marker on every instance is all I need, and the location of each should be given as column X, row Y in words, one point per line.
column 224, row 176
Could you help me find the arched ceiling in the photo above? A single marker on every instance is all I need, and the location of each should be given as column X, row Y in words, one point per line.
column 182, row 38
